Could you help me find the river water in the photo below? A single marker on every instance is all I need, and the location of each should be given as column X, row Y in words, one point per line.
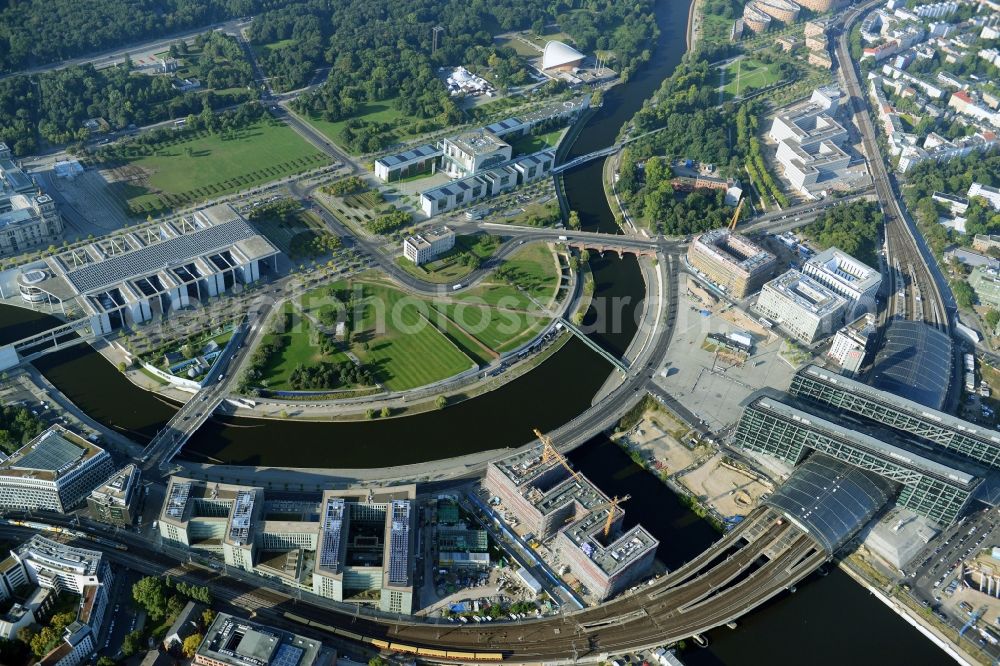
column 830, row 620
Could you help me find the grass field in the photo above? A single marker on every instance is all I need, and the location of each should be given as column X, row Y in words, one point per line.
column 409, row 351
column 369, row 112
column 748, row 73
column 299, row 349
column 449, row 267
column 532, row 143
column 209, row 165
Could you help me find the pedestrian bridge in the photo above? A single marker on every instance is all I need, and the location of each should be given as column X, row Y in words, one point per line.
column 35, row 346
column 612, row 359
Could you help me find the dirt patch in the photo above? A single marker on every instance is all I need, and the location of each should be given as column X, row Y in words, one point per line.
column 728, row 490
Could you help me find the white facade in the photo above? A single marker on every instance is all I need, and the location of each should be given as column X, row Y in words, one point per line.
column 470, row 153
column 991, row 194
column 423, row 247
column 803, row 307
column 850, row 344
column 29, row 479
column 852, row 279
column 28, row 218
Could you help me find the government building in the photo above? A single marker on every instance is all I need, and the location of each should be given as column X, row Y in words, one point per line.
column 28, row 218
column 347, row 545
column 731, row 261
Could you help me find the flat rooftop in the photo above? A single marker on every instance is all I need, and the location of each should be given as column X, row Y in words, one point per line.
column 50, row 455
column 841, row 268
column 417, row 154
column 525, row 466
column 478, row 142
column 734, row 250
column 630, row 546
column 59, row 556
column 238, row 642
column 807, row 293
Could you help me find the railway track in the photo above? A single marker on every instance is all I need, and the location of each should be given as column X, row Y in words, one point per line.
column 911, row 280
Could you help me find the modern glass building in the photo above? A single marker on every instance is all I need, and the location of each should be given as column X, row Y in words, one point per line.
column 935, row 428
column 790, row 430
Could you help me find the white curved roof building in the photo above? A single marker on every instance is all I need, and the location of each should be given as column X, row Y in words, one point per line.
column 560, row 56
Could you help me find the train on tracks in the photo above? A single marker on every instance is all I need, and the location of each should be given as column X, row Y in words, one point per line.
column 42, row 527
column 429, row 653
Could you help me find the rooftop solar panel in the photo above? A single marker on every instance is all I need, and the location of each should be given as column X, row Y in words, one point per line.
column 399, row 543
column 101, row 275
column 51, row 453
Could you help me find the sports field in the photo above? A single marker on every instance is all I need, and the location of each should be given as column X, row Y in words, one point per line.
column 205, row 165
column 748, row 73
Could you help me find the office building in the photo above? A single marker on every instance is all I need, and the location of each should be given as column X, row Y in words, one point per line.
column 345, row 545
column 419, row 160
column 780, row 10
column 428, row 244
column 233, row 641
column 549, row 501
column 845, row 275
column 28, row 219
column 116, row 501
column 20, row 615
column 149, row 271
column 731, row 261
column 791, row 430
column 473, row 152
column 366, row 548
column 465, row 191
column 560, row 57
column 810, row 144
column 55, row 471
column 850, row 344
column 76, row 646
column 802, row 306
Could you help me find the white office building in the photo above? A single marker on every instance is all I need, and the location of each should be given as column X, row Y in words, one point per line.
column 54, row 471
column 428, row 245
column 422, row 159
column 810, row 144
column 850, row 344
column 803, row 307
column 852, row 279
column 473, row 152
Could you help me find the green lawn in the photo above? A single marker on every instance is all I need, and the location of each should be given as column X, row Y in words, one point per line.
column 449, row 267
column 747, row 73
column 403, row 348
column 207, row 165
column 369, row 112
column 299, row 349
column 532, row 143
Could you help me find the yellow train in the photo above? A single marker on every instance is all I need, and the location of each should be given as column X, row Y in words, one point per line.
column 450, row 655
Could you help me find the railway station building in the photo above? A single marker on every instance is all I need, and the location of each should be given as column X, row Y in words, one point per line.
column 345, row 545
column 140, row 274
column 56, row 471
column 935, row 461
column 549, row 501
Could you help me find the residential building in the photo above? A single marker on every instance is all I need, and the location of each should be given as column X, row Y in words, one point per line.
column 731, row 261
column 428, row 244
column 28, row 218
column 802, row 306
column 985, row 281
column 346, row 545
column 151, row 270
column 233, row 641
column 984, row 243
column 847, row 276
column 850, row 344
column 970, row 105
column 116, row 501
column 21, row 615
column 473, row 152
column 77, row 645
column 939, row 149
column 55, row 471
column 550, row 502
column 991, row 194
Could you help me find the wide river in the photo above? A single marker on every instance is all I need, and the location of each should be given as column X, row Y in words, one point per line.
column 829, row 621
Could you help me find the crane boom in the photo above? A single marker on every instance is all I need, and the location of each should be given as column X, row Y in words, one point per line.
column 550, row 453
column 736, row 214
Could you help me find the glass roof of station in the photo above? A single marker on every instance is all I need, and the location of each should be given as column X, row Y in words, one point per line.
column 915, row 362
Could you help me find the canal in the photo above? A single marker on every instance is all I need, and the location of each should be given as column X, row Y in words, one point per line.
column 831, row 620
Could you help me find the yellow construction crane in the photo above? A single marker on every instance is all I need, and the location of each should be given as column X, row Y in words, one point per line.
column 611, row 506
column 550, row 453
column 736, row 215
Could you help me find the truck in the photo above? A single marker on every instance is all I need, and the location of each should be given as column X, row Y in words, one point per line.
column 564, row 238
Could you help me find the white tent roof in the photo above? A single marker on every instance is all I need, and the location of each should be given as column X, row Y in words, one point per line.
column 557, row 53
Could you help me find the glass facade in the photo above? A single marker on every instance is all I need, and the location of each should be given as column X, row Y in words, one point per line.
column 769, row 427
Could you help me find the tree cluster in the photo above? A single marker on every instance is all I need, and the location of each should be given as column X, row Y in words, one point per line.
column 350, row 185
column 329, row 376
column 35, row 32
column 165, row 598
column 389, row 222
column 852, row 227
column 17, row 427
